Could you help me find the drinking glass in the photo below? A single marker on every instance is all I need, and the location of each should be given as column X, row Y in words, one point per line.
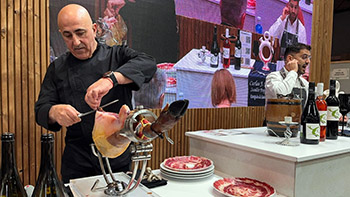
column 344, row 108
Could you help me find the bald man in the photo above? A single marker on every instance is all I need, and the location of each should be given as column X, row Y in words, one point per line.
column 89, row 75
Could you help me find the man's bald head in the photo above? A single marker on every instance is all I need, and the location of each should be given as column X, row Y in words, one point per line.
column 78, row 32
column 73, row 11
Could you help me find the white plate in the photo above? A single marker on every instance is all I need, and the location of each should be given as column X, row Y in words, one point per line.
column 187, row 177
column 162, row 166
column 229, row 195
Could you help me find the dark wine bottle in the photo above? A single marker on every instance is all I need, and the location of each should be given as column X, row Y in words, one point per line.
column 310, row 119
column 322, row 110
column 226, row 49
column 238, row 52
column 214, row 60
column 11, row 184
column 47, row 184
column 333, row 113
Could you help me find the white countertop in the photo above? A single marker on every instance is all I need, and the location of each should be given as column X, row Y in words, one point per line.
column 194, row 188
column 258, row 141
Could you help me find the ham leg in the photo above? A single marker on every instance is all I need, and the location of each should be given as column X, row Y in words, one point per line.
column 106, row 132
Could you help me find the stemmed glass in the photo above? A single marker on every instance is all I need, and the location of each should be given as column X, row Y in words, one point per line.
column 344, row 108
column 287, row 134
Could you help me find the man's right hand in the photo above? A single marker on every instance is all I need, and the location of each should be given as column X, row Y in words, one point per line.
column 285, row 13
column 292, row 65
column 64, row 115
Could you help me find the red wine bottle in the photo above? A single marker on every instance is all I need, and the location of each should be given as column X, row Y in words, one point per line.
column 310, row 119
column 332, row 113
column 214, row 60
column 322, row 110
column 238, row 52
column 226, row 49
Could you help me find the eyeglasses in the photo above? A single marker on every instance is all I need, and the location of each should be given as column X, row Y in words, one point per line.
column 305, row 57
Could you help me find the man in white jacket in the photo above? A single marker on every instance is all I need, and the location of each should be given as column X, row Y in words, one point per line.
column 288, row 28
column 289, row 79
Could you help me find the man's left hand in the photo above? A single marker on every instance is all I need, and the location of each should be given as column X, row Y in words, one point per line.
column 96, row 91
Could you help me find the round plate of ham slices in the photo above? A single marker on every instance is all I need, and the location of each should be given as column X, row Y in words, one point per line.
column 235, row 187
column 188, row 163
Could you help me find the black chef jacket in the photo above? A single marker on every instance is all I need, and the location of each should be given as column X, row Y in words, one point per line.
column 66, row 82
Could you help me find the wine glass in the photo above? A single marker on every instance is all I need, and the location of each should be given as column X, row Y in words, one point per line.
column 344, row 107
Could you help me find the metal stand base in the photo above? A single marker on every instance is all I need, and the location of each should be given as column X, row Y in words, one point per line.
column 141, row 153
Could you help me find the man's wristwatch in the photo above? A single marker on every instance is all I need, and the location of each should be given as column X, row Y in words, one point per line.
column 111, row 76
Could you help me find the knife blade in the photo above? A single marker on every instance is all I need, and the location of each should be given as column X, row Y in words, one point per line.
column 99, row 108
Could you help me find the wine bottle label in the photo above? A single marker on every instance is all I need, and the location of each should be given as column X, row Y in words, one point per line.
column 323, row 118
column 333, row 113
column 237, row 53
column 214, row 60
column 312, row 131
column 226, row 53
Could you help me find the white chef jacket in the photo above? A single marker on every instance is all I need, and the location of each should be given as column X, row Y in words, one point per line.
column 276, row 30
column 275, row 84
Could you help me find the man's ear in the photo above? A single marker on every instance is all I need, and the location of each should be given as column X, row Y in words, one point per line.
column 161, row 100
column 94, row 28
column 289, row 58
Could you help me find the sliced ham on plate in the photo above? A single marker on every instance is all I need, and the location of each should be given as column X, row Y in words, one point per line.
column 106, row 132
column 188, row 163
column 244, row 187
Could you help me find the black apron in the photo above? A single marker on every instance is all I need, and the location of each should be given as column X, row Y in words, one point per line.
column 297, row 93
column 288, row 39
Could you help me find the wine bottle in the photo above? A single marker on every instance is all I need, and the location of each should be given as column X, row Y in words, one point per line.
column 238, row 52
column 226, row 49
column 11, row 184
column 310, row 119
column 332, row 113
column 214, row 60
column 322, row 110
column 47, row 183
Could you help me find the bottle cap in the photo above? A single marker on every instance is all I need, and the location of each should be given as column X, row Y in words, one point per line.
column 320, row 89
column 312, row 85
column 47, row 137
column 227, row 33
column 8, row 137
column 332, row 84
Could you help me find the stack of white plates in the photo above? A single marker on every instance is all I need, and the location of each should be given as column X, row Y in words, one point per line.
column 187, row 174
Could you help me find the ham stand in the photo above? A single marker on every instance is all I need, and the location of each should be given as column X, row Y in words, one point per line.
column 148, row 127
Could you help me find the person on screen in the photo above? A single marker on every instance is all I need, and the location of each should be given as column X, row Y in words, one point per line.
column 149, row 26
column 289, row 79
column 288, row 28
column 89, row 75
column 233, row 12
column 151, row 95
column 223, row 89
